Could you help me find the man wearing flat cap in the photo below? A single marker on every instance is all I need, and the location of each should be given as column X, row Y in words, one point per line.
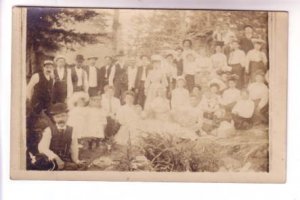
column 39, row 88
column 93, row 75
column 58, row 144
column 62, row 87
column 79, row 76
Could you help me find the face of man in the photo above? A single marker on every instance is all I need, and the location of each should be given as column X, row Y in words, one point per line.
column 248, row 32
column 92, row 62
column 60, row 119
column 218, row 49
column 178, row 52
column 235, row 45
column 108, row 61
column 48, row 69
column 170, row 59
column 61, row 63
column 79, row 63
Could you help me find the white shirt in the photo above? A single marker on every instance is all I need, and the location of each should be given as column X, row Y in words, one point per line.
column 219, row 61
column 237, row 57
column 180, row 98
column 79, row 72
column 257, row 56
column 259, row 91
column 44, row 145
column 244, row 108
column 203, row 64
column 230, row 95
column 110, row 105
column 93, row 82
column 131, row 73
column 111, row 75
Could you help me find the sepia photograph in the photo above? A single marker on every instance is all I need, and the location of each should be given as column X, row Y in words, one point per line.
column 143, row 94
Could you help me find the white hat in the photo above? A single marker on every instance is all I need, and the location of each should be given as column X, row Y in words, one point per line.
column 59, row 57
column 156, row 57
column 48, row 62
column 92, row 57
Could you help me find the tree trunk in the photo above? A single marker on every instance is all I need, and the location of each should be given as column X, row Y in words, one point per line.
column 116, row 31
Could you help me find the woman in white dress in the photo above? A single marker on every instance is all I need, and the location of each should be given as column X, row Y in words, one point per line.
column 155, row 80
column 128, row 116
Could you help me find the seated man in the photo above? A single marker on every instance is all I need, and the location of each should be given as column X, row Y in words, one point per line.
column 58, row 146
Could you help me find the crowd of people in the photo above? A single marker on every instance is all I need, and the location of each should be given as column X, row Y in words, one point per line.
column 188, row 93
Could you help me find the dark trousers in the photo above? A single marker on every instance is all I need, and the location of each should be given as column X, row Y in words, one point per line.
column 140, row 94
column 93, row 91
column 190, row 82
column 241, row 123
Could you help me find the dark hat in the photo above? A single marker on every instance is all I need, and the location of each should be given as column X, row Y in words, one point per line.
column 79, row 57
column 120, row 53
column 233, row 77
column 58, row 108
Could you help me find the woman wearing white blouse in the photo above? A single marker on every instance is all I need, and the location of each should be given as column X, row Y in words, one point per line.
column 256, row 59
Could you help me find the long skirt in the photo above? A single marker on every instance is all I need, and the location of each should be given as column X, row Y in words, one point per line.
column 254, row 67
column 238, row 70
column 190, row 82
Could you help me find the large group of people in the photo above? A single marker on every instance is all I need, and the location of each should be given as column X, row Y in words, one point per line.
column 185, row 92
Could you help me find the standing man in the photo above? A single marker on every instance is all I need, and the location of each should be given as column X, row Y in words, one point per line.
column 62, row 87
column 179, row 61
column 107, row 73
column 93, row 74
column 141, row 76
column 79, row 75
column 39, row 88
column 120, row 79
column 246, row 42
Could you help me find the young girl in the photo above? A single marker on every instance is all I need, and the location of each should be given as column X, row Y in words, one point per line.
column 180, row 96
column 242, row 112
column 96, row 121
column 78, row 114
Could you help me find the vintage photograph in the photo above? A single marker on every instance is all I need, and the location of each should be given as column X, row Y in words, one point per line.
column 146, row 90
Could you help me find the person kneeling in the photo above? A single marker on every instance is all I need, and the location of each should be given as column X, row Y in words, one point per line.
column 58, row 145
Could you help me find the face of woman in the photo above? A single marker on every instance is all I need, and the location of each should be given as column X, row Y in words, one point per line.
column 257, row 46
column 156, row 64
column 129, row 100
column 218, row 49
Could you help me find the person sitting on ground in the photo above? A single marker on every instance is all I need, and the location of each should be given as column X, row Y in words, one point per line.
column 230, row 95
column 58, row 143
column 242, row 112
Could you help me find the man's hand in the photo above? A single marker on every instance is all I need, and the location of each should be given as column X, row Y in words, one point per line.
column 59, row 162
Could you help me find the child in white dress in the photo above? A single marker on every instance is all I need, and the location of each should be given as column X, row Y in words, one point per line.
column 78, row 113
column 96, row 121
column 180, row 96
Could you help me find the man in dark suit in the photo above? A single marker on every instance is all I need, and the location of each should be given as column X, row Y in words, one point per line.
column 120, row 80
column 246, row 42
column 106, row 74
column 141, row 75
column 93, row 75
